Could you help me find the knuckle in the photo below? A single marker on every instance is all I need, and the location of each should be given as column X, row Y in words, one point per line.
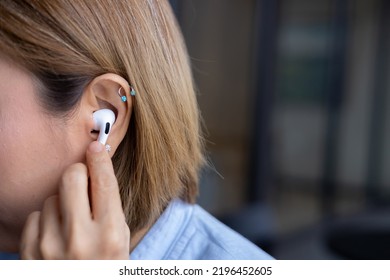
column 116, row 241
column 113, row 243
column 112, row 240
column 76, row 253
column 78, row 247
column 76, row 250
column 107, row 182
column 106, row 188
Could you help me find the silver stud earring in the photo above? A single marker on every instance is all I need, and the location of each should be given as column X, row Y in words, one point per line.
column 108, row 148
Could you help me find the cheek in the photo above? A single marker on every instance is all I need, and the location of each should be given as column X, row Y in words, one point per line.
column 30, row 160
column 26, row 139
column 34, row 149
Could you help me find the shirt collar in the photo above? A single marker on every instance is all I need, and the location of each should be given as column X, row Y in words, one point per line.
column 164, row 234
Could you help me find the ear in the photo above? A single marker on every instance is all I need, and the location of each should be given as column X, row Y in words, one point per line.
column 103, row 93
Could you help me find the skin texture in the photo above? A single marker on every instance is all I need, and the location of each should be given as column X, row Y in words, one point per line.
column 73, row 225
column 44, row 167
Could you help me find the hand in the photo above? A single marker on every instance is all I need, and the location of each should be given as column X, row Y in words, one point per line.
column 75, row 225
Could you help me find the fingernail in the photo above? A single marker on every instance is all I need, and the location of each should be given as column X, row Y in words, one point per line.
column 96, row 147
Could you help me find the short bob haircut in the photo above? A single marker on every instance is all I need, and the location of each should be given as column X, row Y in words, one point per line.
column 64, row 44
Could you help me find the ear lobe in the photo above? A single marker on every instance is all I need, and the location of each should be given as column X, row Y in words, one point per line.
column 110, row 91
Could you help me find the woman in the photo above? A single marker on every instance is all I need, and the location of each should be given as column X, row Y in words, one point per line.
column 61, row 197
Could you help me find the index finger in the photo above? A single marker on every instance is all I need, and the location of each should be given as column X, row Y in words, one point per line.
column 104, row 190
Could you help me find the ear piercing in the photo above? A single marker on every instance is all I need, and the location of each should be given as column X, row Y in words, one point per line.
column 132, row 91
column 123, row 97
column 108, row 148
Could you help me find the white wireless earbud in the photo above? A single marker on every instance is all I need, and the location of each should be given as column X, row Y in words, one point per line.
column 103, row 121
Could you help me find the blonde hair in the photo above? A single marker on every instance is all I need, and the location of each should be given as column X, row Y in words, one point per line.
column 65, row 44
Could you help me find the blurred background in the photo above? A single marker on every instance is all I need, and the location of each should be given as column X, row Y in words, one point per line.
column 295, row 96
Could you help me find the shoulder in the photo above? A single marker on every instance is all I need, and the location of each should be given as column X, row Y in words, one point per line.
column 187, row 232
column 208, row 238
